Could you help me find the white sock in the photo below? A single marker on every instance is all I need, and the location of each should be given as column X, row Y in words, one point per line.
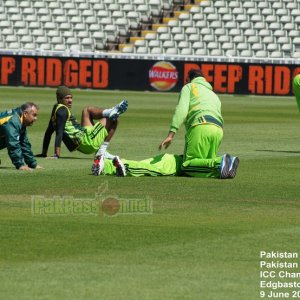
column 102, row 149
column 106, row 112
column 109, row 156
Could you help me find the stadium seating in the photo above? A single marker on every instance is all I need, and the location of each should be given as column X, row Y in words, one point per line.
column 185, row 27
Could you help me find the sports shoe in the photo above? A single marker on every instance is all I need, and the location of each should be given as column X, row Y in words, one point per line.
column 118, row 110
column 224, row 168
column 120, row 168
column 98, row 165
column 234, row 163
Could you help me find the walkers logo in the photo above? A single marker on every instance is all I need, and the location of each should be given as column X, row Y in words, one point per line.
column 163, row 76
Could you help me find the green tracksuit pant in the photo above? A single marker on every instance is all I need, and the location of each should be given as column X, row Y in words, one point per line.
column 201, row 146
column 160, row 165
column 296, row 88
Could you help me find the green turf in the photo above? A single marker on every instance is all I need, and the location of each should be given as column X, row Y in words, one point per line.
column 203, row 238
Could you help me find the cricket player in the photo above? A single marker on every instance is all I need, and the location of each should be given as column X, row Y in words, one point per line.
column 88, row 136
column 200, row 109
column 13, row 135
column 160, row 165
column 296, row 88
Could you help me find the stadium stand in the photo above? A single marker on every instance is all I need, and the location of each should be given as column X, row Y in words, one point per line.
column 244, row 28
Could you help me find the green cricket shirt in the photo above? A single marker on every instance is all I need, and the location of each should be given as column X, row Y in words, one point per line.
column 196, row 100
column 13, row 136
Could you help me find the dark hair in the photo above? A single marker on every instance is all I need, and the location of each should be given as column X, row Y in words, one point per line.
column 28, row 106
column 193, row 73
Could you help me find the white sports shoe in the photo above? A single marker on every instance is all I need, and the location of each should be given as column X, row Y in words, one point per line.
column 98, row 165
column 120, row 168
column 234, row 163
column 118, row 110
column 224, row 168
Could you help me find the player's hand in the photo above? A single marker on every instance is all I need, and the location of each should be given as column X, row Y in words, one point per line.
column 25, row 168
column 165, row 143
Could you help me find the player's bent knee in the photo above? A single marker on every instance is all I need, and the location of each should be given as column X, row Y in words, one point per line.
column 111, row 124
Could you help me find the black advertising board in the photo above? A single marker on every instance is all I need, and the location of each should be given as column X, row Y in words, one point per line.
column 140, row 75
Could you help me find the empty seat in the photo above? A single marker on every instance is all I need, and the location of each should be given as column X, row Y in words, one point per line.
column 201, row 52
column 29, row 46
column 169, row 44
column 220, row 32
column 287, row 48
column 227, row 46
column 226, row 38
column 274, row 26
column 212, row 45
column 186, row 51
column 253, row 39
column 179, row 37
column 272, row 47
column 45, row 46
column 183, row 44
column 153, row 43
column 242, row 46
column 216, row 52
column 231, row 53
column 276, row 54
column 246, row 53
column 239, row 39
column 14, row 45
column 127, row 49
column 284, row 40
column 156, row 50
column 26, row 39
column 264, row 32
column 268, row 39
column 141, row 50
column 59, row 47
column 41, row 40
column 171, row 51
column 261, row 54
column 257, row 46
column 198, row 45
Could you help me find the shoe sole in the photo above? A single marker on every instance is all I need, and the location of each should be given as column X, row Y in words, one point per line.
column 120, row 168
column 232, row 171
column 97, row 168
column 225, row 166
column 121, row 109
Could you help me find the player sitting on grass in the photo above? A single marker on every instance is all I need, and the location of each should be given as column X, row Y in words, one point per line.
column 13, row 135
column 87, row 137
column 160, row 165
column 199, row 108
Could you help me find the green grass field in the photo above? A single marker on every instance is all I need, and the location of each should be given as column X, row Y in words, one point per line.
column 204, row 236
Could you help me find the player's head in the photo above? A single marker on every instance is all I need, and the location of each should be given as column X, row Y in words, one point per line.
column 193, row 73
column 29, row 112
column 64, row 96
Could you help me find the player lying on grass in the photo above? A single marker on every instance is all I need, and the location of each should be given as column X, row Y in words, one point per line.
column 87, row 137
column 13, row 135
column 199, row 108
column 160, row 165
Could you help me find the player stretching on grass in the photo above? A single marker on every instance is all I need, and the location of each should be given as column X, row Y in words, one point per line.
column 13, row 135
column 160, row 165
column 200, row 109
column 87, row 137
